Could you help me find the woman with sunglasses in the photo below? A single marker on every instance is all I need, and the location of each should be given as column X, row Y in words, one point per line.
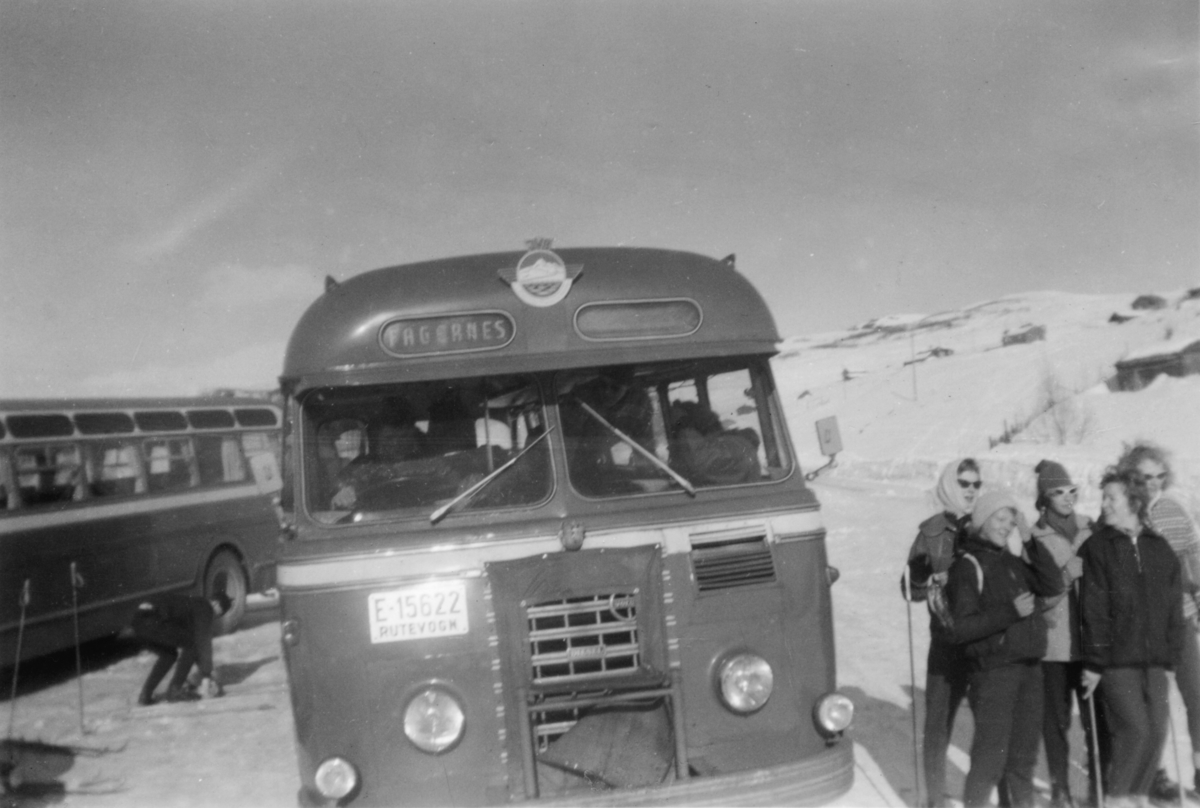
column 929, row 561
column 1132, row 633
column 1062, row 532
column 1169, row 518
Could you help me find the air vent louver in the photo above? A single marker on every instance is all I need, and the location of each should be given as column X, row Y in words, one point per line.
column 732, row 563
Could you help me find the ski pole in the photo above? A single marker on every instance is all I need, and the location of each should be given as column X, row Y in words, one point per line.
column 912, row 673
column 1097, row 763
column 12, row 710
column 1175, row 749
column 76, row 585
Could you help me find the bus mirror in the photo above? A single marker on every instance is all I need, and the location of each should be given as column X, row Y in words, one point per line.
column 830, row 441
column 828, row 436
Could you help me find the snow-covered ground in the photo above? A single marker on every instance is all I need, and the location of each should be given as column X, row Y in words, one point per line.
column 899, row 423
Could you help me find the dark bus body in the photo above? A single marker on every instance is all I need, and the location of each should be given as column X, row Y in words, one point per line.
column 106, row 501
column 584, row 567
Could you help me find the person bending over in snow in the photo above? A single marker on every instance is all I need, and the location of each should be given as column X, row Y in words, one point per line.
column 176, row 626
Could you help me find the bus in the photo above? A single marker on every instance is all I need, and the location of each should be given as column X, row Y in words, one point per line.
column 548, row 541
column 106, row 501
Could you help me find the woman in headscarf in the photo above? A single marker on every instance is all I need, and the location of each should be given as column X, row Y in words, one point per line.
column 992, row 599
column 929, row 561
column 1132, row 634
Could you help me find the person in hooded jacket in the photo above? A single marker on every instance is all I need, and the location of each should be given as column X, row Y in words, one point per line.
column 1171, row 519
column 1062, row 532
column 1132, row 633
column 992, row 593
column 946, row 669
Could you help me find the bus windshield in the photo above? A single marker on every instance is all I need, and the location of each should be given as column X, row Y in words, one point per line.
column 637, row 429
column 407, row 449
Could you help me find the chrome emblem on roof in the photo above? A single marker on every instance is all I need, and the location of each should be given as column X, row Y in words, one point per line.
column 541, row 278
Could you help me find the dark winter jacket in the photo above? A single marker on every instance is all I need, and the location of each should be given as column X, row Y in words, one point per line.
column 986, row 622
column 179, row 621
column 932, row 551
column 1131, row 601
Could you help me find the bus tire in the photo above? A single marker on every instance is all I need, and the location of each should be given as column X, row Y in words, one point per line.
column 224, row 565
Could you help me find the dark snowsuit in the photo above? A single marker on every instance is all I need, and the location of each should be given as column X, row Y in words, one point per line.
column 175, row 626
column 1005, row 652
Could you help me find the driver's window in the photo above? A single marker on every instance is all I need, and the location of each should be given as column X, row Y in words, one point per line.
column 613, row 431
column 652, row 428
column 716, row 434
column 415, row 447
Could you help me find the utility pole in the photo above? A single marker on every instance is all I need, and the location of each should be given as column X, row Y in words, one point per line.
column 912, row 346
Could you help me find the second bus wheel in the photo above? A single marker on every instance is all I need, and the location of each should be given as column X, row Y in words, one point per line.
column 225, row 574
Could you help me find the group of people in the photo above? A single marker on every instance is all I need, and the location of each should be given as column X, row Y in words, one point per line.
column 1024, row 619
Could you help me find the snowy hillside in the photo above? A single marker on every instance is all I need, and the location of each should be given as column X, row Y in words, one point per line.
column 967, row 390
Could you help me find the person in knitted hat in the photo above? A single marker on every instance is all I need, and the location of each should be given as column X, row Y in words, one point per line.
column 1062, row 532
column 946, row 669
column 1050, row 476
column 992, row 597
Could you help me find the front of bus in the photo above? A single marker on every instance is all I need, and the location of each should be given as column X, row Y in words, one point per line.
column 549, row 541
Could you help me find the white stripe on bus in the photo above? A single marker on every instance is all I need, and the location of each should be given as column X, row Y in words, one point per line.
column 35, row 518
column 469, row 559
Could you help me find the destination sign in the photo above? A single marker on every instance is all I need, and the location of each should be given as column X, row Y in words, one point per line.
column 456, row 333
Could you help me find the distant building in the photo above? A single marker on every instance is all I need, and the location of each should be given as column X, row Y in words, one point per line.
column 1177, row 358
column 1151, row 302
column 1028, row 333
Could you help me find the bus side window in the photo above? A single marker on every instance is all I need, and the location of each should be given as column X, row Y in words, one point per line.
column 48, row 474
column 8, row 485
column 171, row 464
column 219, row 459
column 120, row 471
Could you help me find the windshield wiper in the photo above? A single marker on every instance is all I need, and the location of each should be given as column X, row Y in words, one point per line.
column 637, row 447
column 475, row 489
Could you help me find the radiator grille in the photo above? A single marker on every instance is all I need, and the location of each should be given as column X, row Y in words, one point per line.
column 580, row 638
column 732, row 563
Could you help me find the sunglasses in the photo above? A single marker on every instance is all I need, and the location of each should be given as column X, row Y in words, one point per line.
column 1063, row 492
column 964, row 484
column 1162, row 475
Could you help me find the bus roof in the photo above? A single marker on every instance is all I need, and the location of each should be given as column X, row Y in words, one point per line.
column 539, row 310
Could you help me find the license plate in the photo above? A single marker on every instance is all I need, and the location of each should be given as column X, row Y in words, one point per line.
column 418, row 612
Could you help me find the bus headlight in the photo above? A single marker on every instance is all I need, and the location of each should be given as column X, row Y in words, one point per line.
column 335, row 778
column 746, row 682
column 833, row 714
column 433, row 720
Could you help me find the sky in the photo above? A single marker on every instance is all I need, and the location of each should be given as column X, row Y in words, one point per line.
column 177, row 178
